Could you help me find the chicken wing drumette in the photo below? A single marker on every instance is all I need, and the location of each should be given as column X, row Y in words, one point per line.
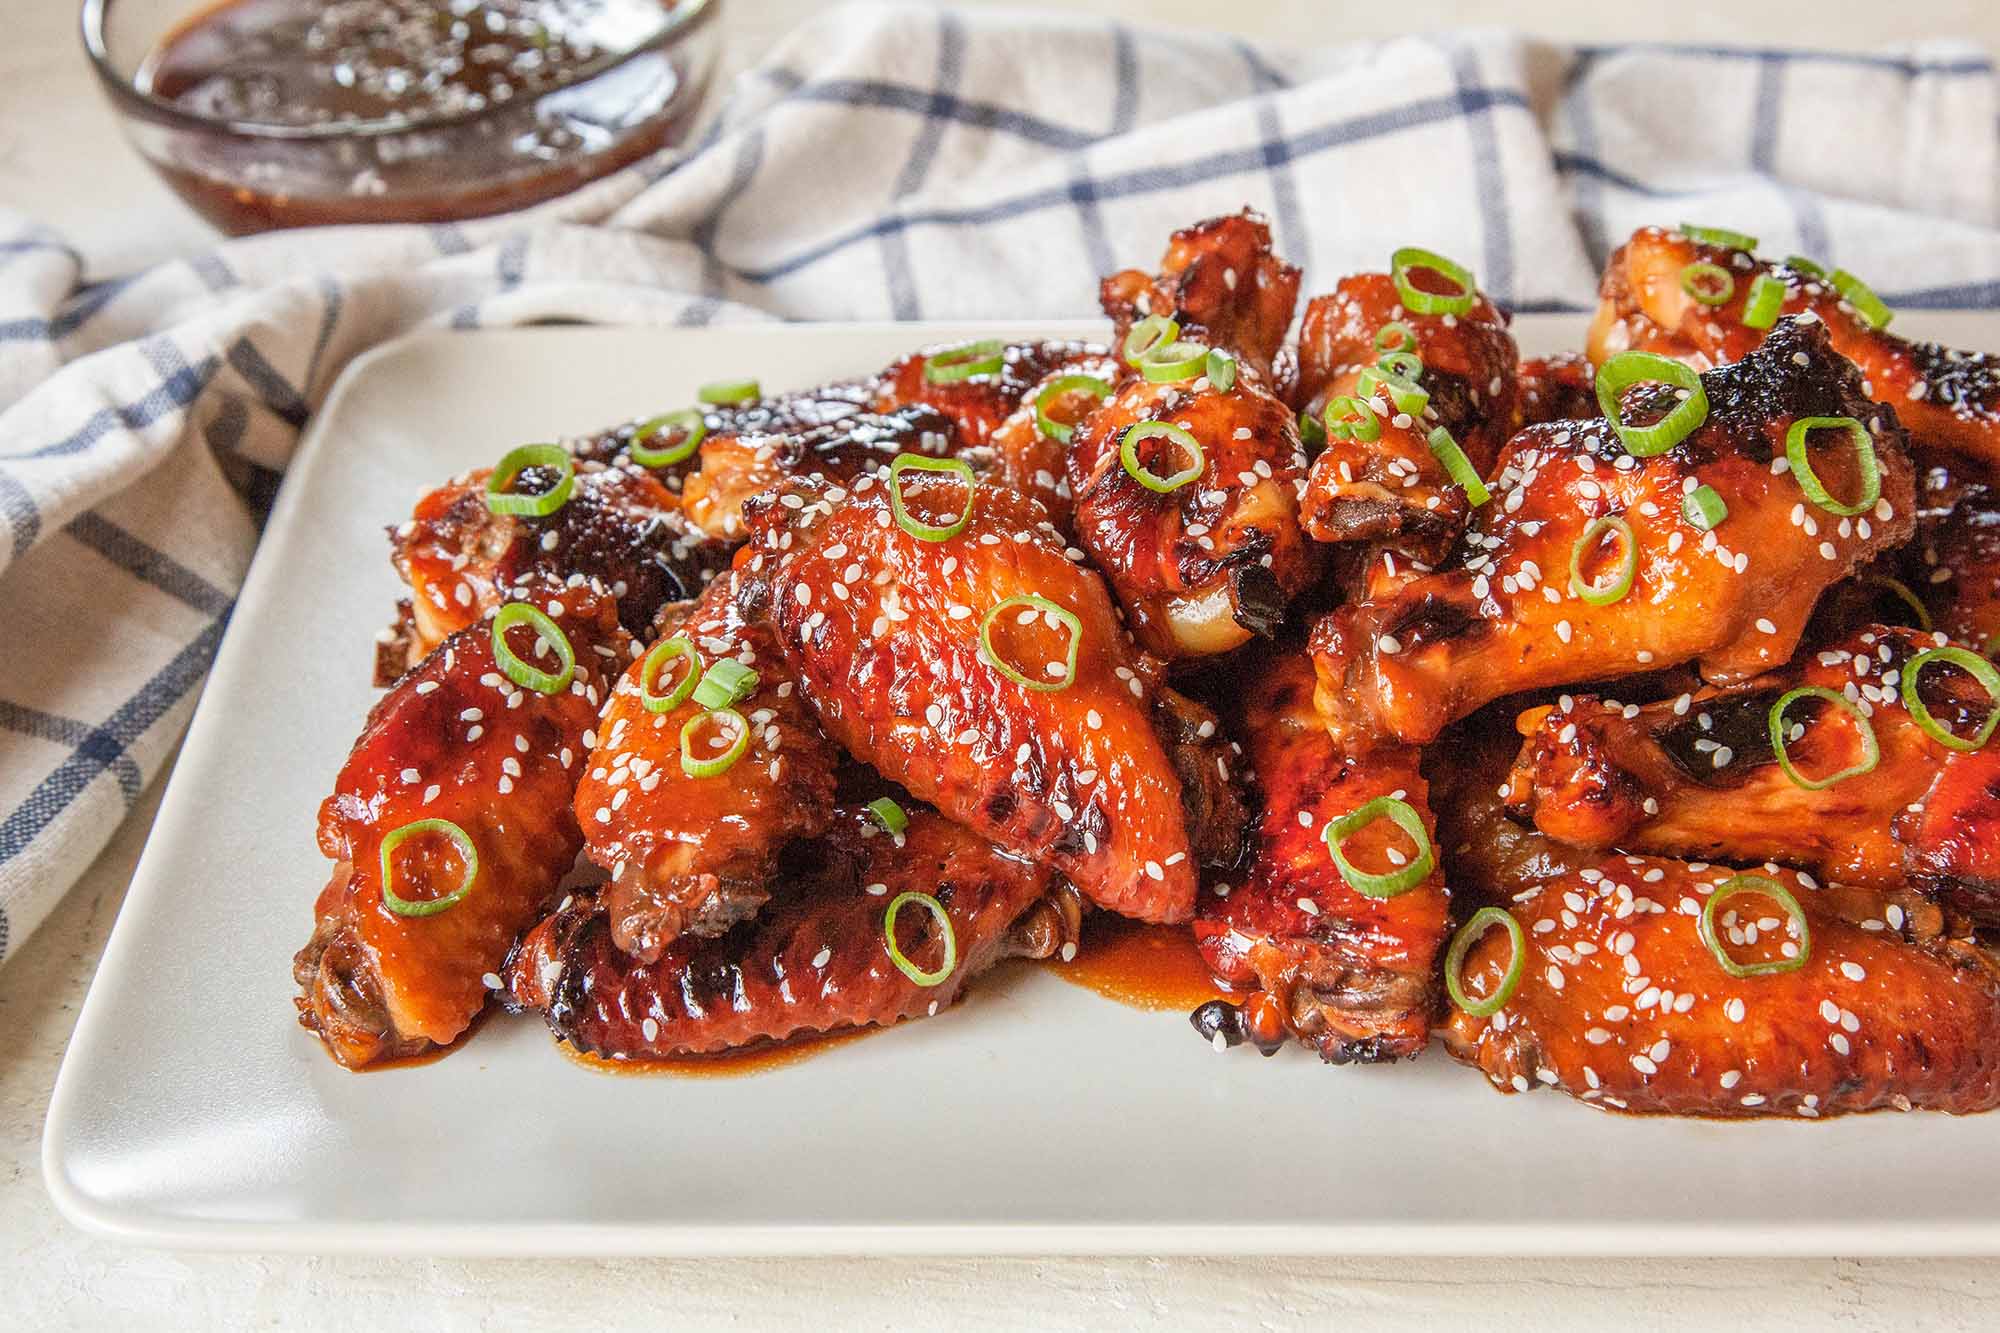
column 1734, row 598
column 1220, row 281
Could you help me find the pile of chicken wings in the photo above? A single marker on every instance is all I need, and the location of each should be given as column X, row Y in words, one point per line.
column 1620, row 719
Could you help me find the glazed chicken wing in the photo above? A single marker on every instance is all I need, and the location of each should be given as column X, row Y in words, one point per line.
column 1355, row 976
column 1098, row 772
column 1954, row 565
column 1220, row 282
column 688, row 853
column 455, row 740
column 1558, row 388
column 976, row 385
column 1735, row 599
column 1032, row 460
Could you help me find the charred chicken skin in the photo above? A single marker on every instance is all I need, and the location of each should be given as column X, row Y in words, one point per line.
column 1733, row 599
column 888, row 635
column 1220, row 282
column 456, row 740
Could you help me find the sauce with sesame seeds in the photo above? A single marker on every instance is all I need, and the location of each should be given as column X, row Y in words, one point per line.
column 1142, row 966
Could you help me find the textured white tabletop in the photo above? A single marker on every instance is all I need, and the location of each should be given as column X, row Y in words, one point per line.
column 61, row 159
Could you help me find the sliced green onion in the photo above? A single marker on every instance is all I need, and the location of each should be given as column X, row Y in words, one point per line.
column 1862, row 297
column 1626, row 369
column 1351, row 419
column 1458, row 466
column 1390, row 883
column 888, row 814
column 1600, row 593
column 1454, row 961
column 1903, row 594
column 649, row 673
column 896, row 955
column 727, row 393
column 1128, row 454
column 725, row 685
column 688, row 419
column 1221, row 371
column 1421, row 302
column 1708, row 283
column 526, row 674
column 719, row 764
column 1395, row 336
column 916, row 527
column 1403, row 365
column 1800, row 264
column 1175, row 361
column 516, row 461
column 402, row 906
column 1871, row 752
column 1406, row 395
column 1034, row 606
column 985, row 357
column 1151, row 332
column 1864, row 454
column 1057, row 388
column 1310, row 430
column 1733, row 240
column 1705, row 508
column 1765, row 301
column 1736, row 887
column 1969, row 662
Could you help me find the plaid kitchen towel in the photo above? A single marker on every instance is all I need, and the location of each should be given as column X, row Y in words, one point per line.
column 888, row 161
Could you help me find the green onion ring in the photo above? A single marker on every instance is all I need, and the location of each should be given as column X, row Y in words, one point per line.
column 719, row 764
column 1390, row 883
column 1800, row 264
column 1057, row 388
column 1454, row 959
column 1974, row 665
column 896, row 955
column 526, row 674
column 985, row 357
column 1766, row 299
column 1311, row 431
column 649, row 674
column 1357, row 419
column 1599, row 593
column 1709, row 284
column 1419, row 301
column 688, row 419
column 516, row 461
column 888, row 814
column 1128, row 454
column 1626, row 369
column 728, row 393
column 1722, row 236
column 725, row 685
column 427, row 906
column 1874, row 313
column 1864, row 452
column 1705, row 508
column 1403, row 365
column 1395, row 336
column 1406, row 395
column 1221, row 370
column 916, row 527
column 1871, row 751
column 1151, row 332
column 1173, row 362
column 1903, row 593
column 1044, row 607
column 1458, row 467
column 1735, row 887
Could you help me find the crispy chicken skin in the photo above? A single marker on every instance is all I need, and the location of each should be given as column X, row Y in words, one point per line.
column 1734, row 600
column 883, row 631
column 1201, row 568
column 454, row 740
column 693, row 854
column 1220, row 282
column 1948, row 399
column 814, row 962
column 1355, row 977
column 977, row 404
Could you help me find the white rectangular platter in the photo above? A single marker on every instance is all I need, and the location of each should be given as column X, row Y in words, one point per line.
column 1034, row 1118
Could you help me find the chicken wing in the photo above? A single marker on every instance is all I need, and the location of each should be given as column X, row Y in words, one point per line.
column 1955, row 564
column 1220, row 282
column 978, row 402
column 1735, row 599
column 455, row 740
column 1558, row 388
column 888, row 634
column 1355, row 976
column 1033, row 461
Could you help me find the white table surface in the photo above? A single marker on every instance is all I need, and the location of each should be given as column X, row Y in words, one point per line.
column 61, row 158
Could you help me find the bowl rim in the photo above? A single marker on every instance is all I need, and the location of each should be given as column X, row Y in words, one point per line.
column 684, row 17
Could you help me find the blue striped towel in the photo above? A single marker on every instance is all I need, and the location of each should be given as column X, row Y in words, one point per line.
column 888, row 161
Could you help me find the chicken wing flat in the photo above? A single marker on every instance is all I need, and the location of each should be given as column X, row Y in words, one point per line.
column 1735, row 599
column 1947, row 398
column 977, row 385
column 817, row 961
column 691, row 853
column 1354, row 976
column 1220, row 282
column 887, row 634
column 389, row 971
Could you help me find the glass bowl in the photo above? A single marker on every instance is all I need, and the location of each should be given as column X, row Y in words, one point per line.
column 247, row 174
